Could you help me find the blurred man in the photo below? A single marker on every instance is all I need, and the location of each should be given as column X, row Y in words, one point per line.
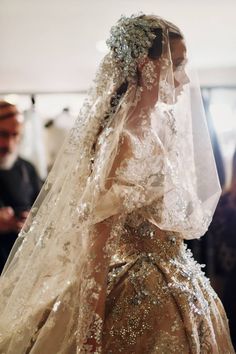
column 19, row 182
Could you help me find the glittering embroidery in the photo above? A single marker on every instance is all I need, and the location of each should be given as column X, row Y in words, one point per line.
column 149, row 75
column 154, row 286
column 130, row 40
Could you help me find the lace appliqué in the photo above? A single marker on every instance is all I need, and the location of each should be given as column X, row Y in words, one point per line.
column 149, row 75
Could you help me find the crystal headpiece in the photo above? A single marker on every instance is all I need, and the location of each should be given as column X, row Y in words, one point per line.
column 130, row 40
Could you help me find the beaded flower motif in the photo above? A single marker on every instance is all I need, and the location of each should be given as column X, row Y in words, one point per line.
column 129, row 41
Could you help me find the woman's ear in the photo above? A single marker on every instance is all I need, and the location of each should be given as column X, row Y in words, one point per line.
column 141, row 63
column 147, row 62
column 148, row 73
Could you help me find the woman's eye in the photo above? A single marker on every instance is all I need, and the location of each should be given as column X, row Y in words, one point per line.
column 179, row 67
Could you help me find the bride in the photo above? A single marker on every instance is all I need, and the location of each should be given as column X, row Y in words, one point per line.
column 100, row 265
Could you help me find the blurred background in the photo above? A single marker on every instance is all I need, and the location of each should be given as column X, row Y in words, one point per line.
column 49, row 54
column 51, row 49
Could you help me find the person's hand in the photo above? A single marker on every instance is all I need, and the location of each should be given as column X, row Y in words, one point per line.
column 23, row 216
column 9, row 222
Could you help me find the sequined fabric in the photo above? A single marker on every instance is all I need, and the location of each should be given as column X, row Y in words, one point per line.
column 158, row 299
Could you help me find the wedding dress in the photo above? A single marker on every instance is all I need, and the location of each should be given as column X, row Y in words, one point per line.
column 101, row 266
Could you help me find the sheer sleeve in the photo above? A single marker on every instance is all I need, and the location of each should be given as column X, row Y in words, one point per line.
column 136, row 178
column 149, row 176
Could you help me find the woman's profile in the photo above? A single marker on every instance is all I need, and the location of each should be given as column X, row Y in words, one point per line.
column 100, row 266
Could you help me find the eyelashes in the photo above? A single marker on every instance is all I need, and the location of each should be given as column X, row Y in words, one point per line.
column 181, row 66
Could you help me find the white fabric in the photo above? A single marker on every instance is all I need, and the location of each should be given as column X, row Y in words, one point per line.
column 55, row 134
column 32, row 143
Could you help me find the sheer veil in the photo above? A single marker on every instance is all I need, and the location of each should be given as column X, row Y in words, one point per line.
column 137, row 145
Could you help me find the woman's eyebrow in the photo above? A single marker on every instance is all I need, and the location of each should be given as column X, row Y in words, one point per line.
column 180, row 60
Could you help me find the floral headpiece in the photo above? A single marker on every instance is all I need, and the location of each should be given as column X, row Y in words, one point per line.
column 130, row 40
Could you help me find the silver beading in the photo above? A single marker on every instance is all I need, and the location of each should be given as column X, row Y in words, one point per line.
column 130, row 41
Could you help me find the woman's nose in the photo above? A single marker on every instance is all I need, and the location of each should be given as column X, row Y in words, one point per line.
column 186, row 79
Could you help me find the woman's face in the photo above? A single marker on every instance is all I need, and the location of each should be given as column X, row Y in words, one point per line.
column 151, row 69
column 179, row 60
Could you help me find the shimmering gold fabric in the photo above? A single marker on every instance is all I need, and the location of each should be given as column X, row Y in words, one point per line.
column 159, row 300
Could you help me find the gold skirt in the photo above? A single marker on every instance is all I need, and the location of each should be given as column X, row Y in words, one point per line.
column 162, row 303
